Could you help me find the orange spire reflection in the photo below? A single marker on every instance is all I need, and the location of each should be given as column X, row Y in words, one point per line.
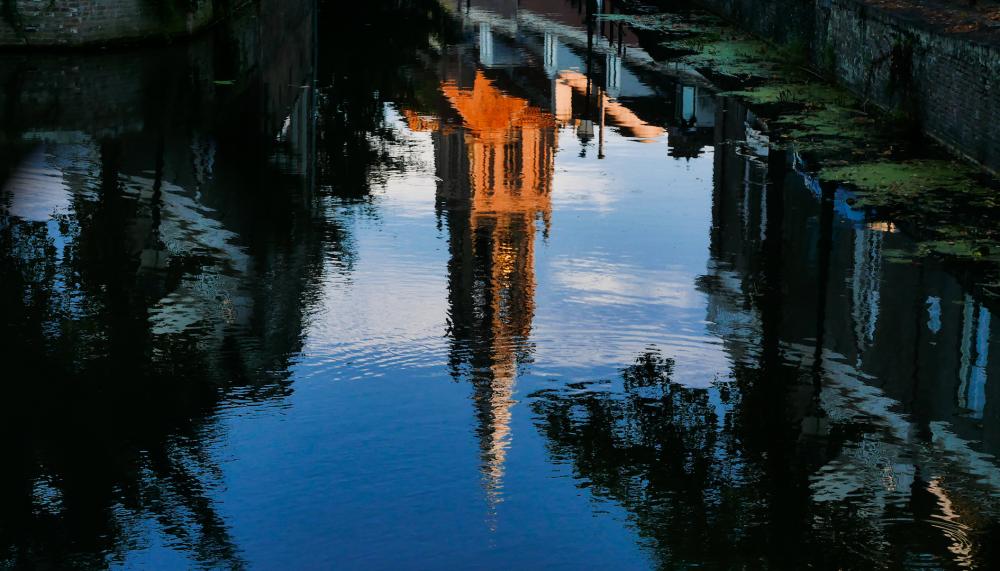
column 496, row 175
column 511, row 147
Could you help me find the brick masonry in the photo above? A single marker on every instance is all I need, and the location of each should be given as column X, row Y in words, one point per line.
column 82, row 22
column 259, row 59
column 948, row 82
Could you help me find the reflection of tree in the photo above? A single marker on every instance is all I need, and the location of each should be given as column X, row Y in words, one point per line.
column 665, row 452
column 709, row 476
column 109, row 414
column 362, row 73
column 103, row 422
column 781, row 464
column 129, row 320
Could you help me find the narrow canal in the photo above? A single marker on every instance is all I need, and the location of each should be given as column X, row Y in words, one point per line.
column 424, row 284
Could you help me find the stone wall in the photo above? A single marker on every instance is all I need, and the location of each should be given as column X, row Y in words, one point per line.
column 789, row 22
column 82, row 22
column 249, row 70
column 947, row 82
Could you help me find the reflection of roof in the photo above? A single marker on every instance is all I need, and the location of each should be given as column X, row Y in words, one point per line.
column 489, row 112
column 510, row 145
column 620, row 115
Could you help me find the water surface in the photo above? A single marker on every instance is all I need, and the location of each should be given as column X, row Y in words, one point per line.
column 462, row 285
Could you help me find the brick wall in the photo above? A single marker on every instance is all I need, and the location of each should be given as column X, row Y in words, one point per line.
column 80, row 22
column 784, row 21
column 947, row 82
column 263, row 57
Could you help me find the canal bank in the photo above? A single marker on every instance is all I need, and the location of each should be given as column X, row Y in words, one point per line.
column 889, row 172
column 936, row 64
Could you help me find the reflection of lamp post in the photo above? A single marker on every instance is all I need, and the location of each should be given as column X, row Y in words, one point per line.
column 600, row 131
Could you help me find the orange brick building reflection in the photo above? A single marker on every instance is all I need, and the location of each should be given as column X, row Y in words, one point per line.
column 495, row 168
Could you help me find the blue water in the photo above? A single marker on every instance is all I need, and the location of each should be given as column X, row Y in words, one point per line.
column 462, row 293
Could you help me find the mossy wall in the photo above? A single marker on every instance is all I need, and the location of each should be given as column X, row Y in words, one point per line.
column 258, row 59
column 945, row 83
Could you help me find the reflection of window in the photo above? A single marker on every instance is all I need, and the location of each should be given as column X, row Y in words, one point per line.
column 975, row 357
column 551, row 54
column 753, row 205
column 613, row 74
column 865, row 286
column 485, row 44
column 688, row 98
column 934, row 314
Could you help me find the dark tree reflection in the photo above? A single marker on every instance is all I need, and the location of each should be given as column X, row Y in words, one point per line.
column 709, row 476
column 364, row 71
column 795, row 458
column 665, row 452
column 168, row 276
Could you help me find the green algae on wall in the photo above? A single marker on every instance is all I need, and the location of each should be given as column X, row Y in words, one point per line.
column 730, row 56
column 910, row 178
column 704, row 42
column 791, row 92
column 806, row 113
column 829, row 131
column 942, row 202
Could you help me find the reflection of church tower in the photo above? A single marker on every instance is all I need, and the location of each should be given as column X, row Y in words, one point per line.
column 496, row 175
column 508, row 149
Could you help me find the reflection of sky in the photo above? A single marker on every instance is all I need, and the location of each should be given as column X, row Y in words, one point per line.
column 390, row 310
column 373, row 460
column 616, row 274
column 361, row 474
column 376, row 437
column 629, row 237
column 396, row 451
column 36, row 191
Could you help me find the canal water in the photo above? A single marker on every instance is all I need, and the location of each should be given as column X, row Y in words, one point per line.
column 478, row 284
